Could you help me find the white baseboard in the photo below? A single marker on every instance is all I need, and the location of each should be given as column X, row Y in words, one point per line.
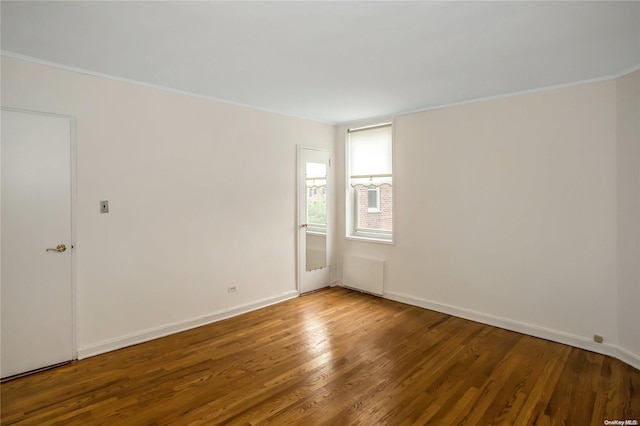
column 520, row 327
column 532, row 330
column 628, row 357
column 165, row 330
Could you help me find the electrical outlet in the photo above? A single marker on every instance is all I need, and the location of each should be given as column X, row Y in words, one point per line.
column 232, row 289
column 597, row 339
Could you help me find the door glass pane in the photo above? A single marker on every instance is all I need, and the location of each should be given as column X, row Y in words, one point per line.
column 316, row 233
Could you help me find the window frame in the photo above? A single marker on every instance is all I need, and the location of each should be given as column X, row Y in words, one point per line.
column 352, row 229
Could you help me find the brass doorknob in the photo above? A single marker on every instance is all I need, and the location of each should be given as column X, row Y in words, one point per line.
column 59, row 248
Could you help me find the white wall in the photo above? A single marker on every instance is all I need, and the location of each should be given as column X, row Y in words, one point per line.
column 628, row 91
column 202, row 196
column 506, row 213
column 520, row 212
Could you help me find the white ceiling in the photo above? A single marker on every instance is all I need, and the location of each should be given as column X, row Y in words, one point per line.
column 332, row 61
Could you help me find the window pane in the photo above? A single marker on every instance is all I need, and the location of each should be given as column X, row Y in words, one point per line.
column 316, row 176
column 378, row 218
column 317, row 211
column 373, row 198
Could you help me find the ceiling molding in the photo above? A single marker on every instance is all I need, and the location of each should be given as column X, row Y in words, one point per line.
column 495, row 97
column 331, row 62
column 14, row 55
column 346, row 123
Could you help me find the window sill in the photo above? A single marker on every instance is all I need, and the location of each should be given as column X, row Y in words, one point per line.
column 370, row 240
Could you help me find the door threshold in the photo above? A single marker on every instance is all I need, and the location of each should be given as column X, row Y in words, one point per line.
column 314, row 291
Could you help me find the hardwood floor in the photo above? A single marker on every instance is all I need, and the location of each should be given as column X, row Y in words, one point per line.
column 333, row 357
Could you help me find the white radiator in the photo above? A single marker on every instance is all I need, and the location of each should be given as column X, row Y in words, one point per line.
column 363, row 274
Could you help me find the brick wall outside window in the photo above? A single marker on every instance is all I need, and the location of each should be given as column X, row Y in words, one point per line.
column 375, row 220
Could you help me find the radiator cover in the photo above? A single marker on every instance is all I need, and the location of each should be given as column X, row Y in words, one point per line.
column 363, row 274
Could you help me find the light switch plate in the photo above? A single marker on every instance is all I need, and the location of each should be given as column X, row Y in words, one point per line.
column 104, row 206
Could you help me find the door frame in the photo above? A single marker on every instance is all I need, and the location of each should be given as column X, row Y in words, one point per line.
column 73, row 196
column 299, row 149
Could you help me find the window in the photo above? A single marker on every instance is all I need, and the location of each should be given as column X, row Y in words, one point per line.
column 370, row 183
column 316, row 177
column 373, row 201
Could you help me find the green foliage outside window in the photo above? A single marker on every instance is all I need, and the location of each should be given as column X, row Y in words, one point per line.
column 317, row 212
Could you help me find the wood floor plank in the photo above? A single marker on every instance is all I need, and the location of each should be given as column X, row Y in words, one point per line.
column 332, row 357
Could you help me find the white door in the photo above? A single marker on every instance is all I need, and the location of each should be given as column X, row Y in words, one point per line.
column 314, row 219
column 36, row 287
